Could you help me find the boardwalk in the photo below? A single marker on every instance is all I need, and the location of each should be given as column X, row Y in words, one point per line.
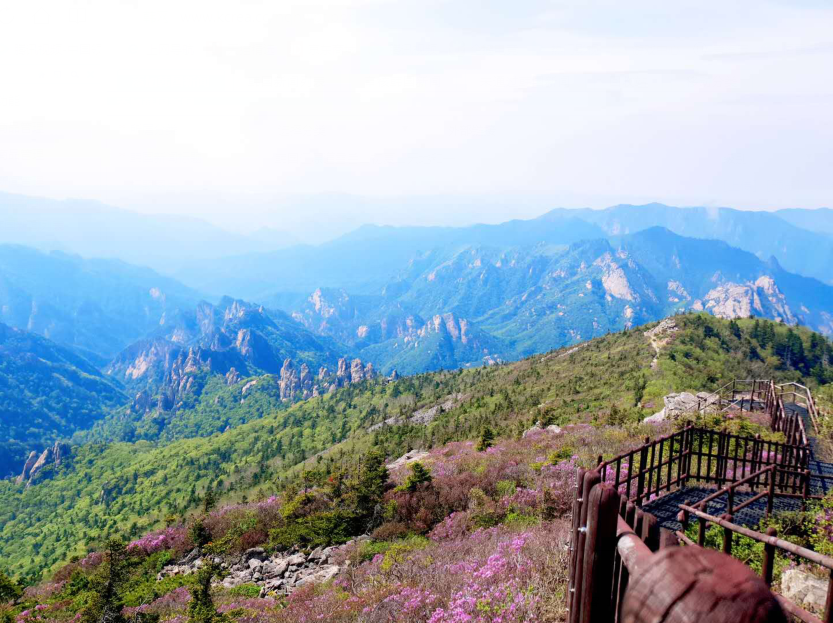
column 666, row 508
column 631, row 511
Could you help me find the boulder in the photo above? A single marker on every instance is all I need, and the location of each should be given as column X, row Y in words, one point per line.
column 296, row 560
column 676, row 405
column 405, row 459
column 804, row 589
column 324, row 574
column 256, row 552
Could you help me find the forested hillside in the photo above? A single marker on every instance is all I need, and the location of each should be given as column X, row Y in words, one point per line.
column 46, row 393
column 126, row 488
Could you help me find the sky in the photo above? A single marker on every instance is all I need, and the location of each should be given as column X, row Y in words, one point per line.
column 314, row 116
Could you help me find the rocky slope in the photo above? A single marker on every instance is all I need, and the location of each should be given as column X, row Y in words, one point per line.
column 233, row 339
column 279, row 574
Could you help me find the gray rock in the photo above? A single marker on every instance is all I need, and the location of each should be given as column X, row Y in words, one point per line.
column 274, row 568
column 254, row 563
column 325, row 574
column 676, row 405
column 296, row 560
column 804, row 589
column 256, row 552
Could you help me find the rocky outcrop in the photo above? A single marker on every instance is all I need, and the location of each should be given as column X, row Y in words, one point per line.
column 424, row 416
column 552, row 428
column 232, row 376
column 804, row 589
column 27, row 467
column 301, row 384
column 407, row 459
column 276, row 574
column 679, row 404
column 741, row 300
column 288, row 380
column 35, row 463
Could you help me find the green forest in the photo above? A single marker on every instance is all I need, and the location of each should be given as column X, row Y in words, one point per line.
column 126, row 488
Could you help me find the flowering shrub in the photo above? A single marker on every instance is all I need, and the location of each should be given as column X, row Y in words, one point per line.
column 174, row 602
column 169, row 538
column 490, row 575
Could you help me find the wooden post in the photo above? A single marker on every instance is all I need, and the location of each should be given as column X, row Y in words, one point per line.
column 591, row 479
column 805, row 492
column 599, row 550
column 727, row 536
column 640, row 480
column 617, row 560
column 574, row 534
column 650, row 532
column 682, row 516
column 667, row 539
column 769, row 558
column 701, row 532
column 730, row 502
column 770, row 498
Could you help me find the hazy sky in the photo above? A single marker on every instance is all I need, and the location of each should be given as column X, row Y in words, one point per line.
column 259, row 113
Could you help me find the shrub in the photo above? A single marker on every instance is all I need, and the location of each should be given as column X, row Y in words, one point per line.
column 199, row 534
column 9, row 589
column 487, row 440
column 319, row 530
column 419, row 475
column 245, row 590
column 201, row 607
column 505, row 488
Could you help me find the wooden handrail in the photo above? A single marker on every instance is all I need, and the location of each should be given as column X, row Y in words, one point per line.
column 819, row 559
column 635, row 555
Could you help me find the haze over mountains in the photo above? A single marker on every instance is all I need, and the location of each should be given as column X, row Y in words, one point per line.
column 95, row 230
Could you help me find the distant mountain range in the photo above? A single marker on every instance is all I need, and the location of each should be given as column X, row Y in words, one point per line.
column 481, row 304
column 368, row 258
column 311, row 319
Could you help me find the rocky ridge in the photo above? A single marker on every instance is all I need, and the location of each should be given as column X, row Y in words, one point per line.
column 300, row 384
column 278, row 574
column 35, row 463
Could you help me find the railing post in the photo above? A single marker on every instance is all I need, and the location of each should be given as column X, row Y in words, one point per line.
column 600, row 547
column 730, row 502
column 805, row 492
column 770, row 498
column 574, row 533
column 727, row 536
column 769, row 558
column 640, row 481
column 701, row 532
column 590, row 480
